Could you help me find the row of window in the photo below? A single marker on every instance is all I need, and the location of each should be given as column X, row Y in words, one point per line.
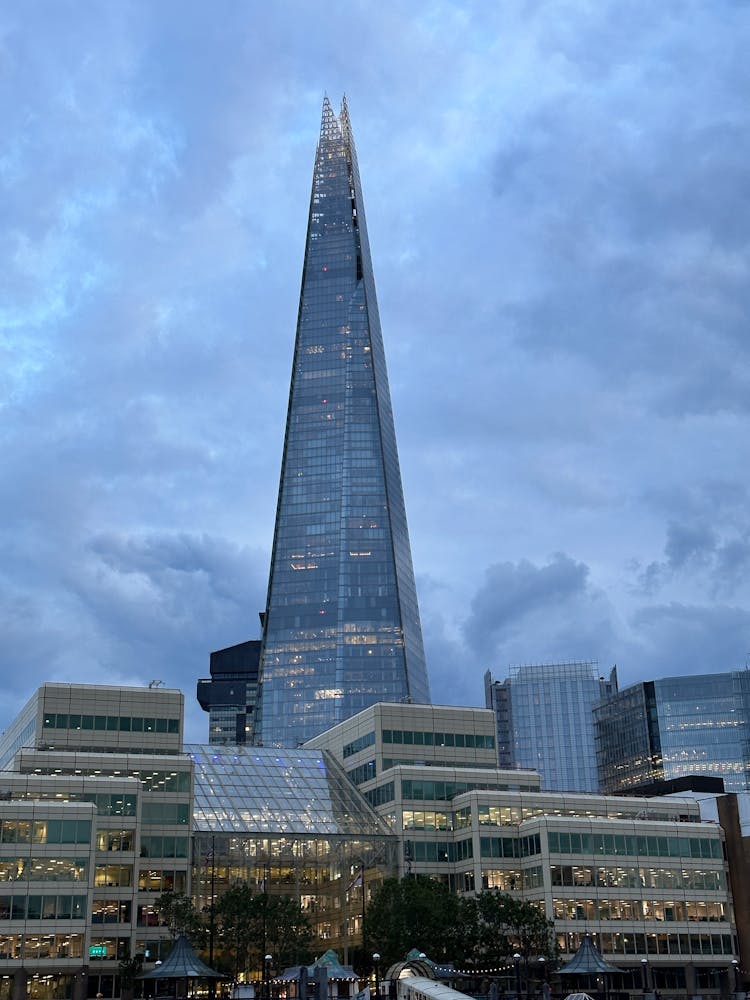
column 108, row 948
column 36, row 946
column 165, row 813
column 510, row 847
column 624, row 943
column 41, row 869
column 359, row 744
column 510, row 880
column 364, row 772
column 379, row 796
column 637, row 909
column 111, row 911
column 45, row 831
column 422, row 789
column 115, row 840
column 426, row 819
column 47, row 907
column 108, row 804
column 430, row 739
column 111, row 723
column 492, row 815
column 436, row 850
column 150, row 880
column 152, row 781
column 634, row 846
column 636, row 878
column 164, row 847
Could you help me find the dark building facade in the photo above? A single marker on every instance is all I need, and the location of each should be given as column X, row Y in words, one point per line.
column 230, row 694
column 341, row 624
column 673, row 727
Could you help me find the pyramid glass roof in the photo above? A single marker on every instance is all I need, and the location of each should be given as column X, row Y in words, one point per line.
column 255, row 790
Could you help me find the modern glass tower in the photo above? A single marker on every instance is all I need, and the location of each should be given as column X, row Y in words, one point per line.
column 341, row 625
column 544, row 721
column 661, row 730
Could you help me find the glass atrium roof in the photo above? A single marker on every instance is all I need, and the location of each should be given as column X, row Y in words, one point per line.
column 271, row 791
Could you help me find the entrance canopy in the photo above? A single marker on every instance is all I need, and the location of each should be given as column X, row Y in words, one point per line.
column 587, row 961
column 182, row 963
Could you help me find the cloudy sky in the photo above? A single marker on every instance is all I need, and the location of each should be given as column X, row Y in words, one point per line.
column 558, row 203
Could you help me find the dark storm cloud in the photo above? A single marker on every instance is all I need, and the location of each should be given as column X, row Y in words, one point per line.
column 559, row 211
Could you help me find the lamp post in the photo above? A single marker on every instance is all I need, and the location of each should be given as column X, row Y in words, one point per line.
column 736, row 968
column 267, row 959
column 376, row 963
column 644, row 975
column 517, row 964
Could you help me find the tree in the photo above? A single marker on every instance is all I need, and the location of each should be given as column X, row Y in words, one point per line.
column 415, row 913
column 238, row 930
column 505, row 925
column 128, row 970
column 179, row 914
column 289, row 932
column 249, row 926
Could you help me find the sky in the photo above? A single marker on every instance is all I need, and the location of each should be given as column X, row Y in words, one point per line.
column 558, row 203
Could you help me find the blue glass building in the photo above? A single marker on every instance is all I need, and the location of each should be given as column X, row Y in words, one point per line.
column 341, row 625
column 675, row 727
column 544, row 721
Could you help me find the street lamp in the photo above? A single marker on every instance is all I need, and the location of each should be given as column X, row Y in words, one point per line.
column 736, row 967
column 267, row 959
column 517, row 964
column 376, row 963
column 644, row 975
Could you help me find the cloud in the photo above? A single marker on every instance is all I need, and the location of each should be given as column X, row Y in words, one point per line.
column 555, row 604
column 559, row 229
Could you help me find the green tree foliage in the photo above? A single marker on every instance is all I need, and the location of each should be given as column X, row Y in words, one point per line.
column 423, row 913
column 128, row 970
column 289, row 932
column 415, row 913
column 237, row 930
column 249, row 926
column 505, row 925
column 179, row 914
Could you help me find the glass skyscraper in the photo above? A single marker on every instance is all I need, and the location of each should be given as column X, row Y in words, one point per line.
column 675, row 727
column 544, row 721
column 341, row 625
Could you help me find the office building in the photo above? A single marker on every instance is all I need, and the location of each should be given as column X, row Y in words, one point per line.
column 646, row 878
column 677, row 726
column 341, row 624
column 95, row 807
column 230, row 694
column 544, row 721
column 95, row 826
column 94, row 829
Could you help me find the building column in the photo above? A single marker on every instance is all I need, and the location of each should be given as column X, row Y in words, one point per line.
column 80, row 984
column 690, row 979
column 20, row 981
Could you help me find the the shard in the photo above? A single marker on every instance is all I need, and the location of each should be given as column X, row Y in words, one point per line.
column 341, row 625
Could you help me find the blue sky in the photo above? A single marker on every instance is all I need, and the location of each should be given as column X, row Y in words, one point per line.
column 559, row 211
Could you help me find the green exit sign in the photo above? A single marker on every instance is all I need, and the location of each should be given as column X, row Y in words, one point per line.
column 98, row 951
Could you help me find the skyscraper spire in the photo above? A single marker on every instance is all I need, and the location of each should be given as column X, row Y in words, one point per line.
column 341, row 624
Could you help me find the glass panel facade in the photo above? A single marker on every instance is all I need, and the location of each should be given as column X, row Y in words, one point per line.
column 703, row 727
column 544, row 721
column 342, row 628
column 674, row 727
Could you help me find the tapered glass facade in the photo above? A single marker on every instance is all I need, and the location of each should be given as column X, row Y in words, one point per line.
column 341, row 625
